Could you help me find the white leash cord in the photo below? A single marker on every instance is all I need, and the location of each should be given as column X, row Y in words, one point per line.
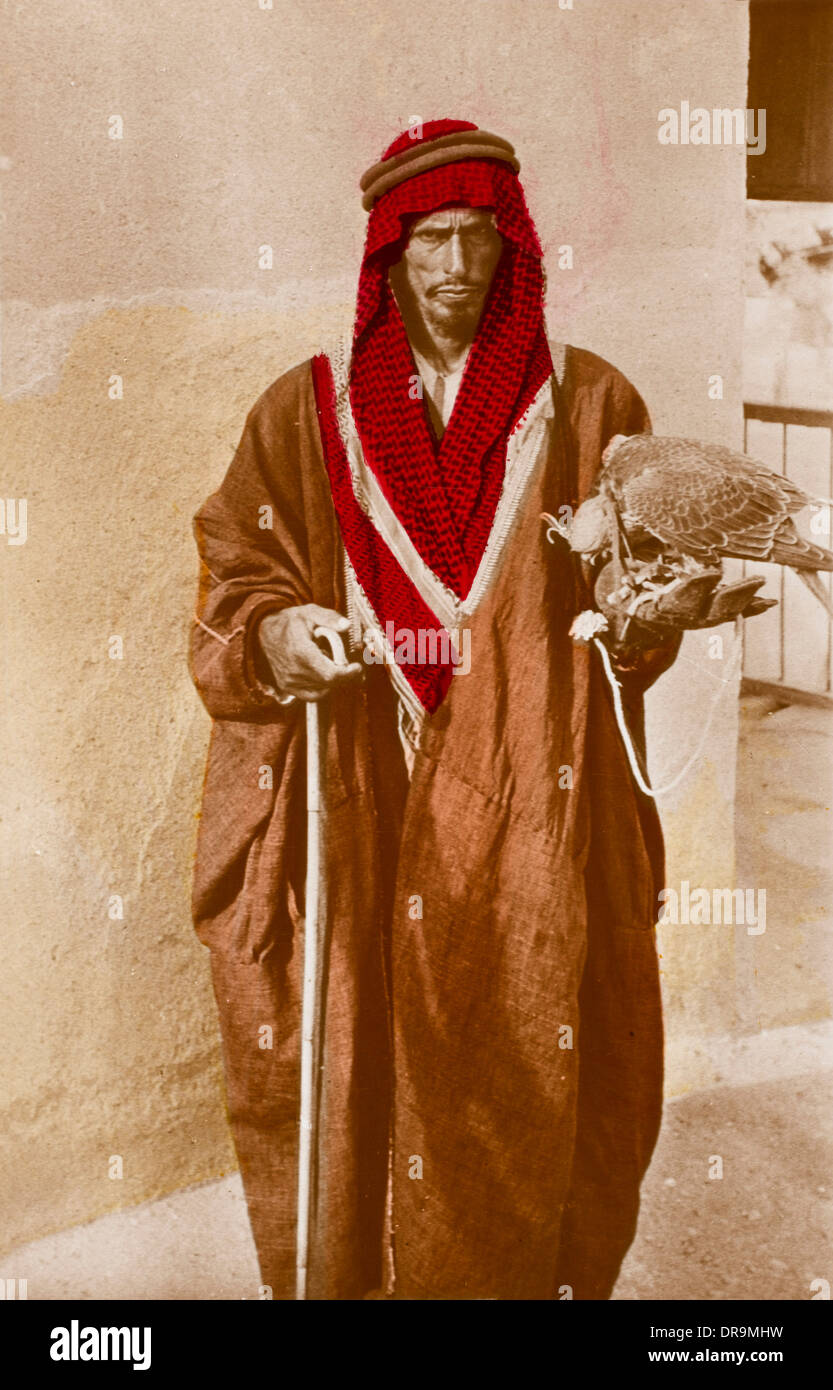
column 625, row 732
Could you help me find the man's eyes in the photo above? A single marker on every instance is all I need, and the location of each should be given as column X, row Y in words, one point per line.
column 478, row 234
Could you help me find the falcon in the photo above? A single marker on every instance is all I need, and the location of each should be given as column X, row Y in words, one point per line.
column 666, row 512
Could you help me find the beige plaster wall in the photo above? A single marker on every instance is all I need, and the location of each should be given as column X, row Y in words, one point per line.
column 139, row 257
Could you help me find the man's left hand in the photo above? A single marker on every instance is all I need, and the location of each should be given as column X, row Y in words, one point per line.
column 695, row 601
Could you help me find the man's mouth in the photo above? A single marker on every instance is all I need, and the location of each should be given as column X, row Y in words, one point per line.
column 455, row 293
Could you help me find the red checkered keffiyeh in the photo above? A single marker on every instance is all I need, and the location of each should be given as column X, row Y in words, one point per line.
column 445, row 493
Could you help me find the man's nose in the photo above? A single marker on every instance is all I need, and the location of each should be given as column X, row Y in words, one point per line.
column 455, row 255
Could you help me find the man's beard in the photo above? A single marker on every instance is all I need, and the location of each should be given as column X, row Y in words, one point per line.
column 448, row 319
column 454, row 318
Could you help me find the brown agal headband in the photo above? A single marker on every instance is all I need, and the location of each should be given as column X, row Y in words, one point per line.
column 446, row 149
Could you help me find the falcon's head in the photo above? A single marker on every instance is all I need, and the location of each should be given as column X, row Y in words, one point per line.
column 593, row 527
column 612, row 446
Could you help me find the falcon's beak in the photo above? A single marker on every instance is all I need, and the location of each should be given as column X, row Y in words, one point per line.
column 556, row 528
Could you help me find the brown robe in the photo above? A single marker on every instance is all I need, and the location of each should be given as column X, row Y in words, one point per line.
column 477, row 913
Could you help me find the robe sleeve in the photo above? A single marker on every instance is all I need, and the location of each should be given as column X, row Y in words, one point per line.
column 254, row 559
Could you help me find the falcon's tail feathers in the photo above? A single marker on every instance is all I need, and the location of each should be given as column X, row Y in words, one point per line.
column 817, row 587
column 790, row 548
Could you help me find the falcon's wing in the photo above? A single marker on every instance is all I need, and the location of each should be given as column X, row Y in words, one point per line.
column 702, row 499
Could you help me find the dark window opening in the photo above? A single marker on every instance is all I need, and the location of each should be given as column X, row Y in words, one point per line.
column 791, row 78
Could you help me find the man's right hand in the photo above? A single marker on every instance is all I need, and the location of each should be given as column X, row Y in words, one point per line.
column 298, row 664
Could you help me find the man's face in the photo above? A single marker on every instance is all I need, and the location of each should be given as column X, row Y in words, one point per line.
column 448, row 265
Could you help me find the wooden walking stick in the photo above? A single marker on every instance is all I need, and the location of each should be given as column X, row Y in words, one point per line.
column 315, row 941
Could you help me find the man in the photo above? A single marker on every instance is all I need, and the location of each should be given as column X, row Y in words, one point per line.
column 493, row 1041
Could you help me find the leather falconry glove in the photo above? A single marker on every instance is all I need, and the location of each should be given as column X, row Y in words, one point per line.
column 650, row 617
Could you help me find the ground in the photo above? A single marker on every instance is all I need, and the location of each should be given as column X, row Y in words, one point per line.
column 763, row 1230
